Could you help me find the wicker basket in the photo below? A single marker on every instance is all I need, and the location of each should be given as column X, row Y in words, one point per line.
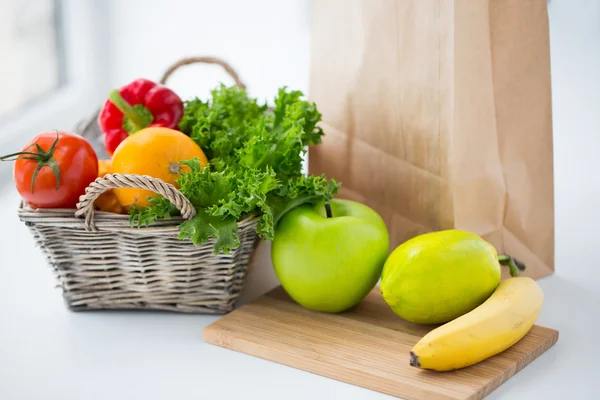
column 101, row 262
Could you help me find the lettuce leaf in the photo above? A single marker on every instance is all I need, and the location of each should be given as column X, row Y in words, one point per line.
column 219, row 125
column 305, row 112
column 204, row 227
column 255, row 163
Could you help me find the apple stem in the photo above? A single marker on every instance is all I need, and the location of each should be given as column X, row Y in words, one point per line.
column 328, row 210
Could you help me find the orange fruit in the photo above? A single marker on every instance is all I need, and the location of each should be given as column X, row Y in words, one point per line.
column 153, row 151
column 104, row 167
column 107, row 201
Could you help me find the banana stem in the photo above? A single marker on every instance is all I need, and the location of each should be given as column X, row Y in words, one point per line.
column 513, row 264
column 414, row 360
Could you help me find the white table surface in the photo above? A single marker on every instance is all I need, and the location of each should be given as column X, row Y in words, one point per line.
column 48, row 352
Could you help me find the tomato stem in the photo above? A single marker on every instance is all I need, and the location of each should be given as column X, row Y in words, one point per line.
column 15, row 156
column 43, row 158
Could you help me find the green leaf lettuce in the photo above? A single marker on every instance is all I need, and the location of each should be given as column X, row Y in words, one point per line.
column 255, row 162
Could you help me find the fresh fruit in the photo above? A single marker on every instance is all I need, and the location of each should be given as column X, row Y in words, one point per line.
column 140, row 104
column 438, row 276
column 330, row 263
column 104, row 167
column 107, row 201
column 501, row 321
column 156, row 152
column 54, row 169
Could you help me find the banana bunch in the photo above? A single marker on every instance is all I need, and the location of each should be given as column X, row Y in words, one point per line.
column 498, row 323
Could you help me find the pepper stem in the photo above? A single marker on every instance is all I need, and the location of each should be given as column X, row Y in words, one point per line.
column 513, row 264
column 136, row 118
column 328, row 210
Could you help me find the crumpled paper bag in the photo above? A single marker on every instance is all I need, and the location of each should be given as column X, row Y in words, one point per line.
column 438, row 115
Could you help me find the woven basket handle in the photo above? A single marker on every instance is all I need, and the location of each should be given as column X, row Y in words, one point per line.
column 85, row 207
column 203, row 60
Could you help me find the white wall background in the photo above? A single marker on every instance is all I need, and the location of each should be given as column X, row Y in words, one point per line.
column 575, row 62
column 266, row 41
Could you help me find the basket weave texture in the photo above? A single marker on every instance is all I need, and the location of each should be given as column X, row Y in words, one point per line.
column 101, row 262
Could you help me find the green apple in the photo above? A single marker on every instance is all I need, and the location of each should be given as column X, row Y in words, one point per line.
column 330, row 263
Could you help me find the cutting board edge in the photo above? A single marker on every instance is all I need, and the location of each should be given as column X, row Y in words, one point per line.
column 216, row 335
column 222, row 337
column 542, row 348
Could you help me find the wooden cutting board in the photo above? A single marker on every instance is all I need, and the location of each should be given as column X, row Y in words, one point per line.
column 367, row 346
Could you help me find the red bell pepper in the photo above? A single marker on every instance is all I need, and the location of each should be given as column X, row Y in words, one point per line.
column 138, row 105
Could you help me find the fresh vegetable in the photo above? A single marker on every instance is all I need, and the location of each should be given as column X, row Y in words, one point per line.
column 140, row 104
column 54, row 169
column 255, row 165
column 329, row 261
column 501, row 321
column 438, row 276
column 156, row 152
column 233, row 129
column 107, row 201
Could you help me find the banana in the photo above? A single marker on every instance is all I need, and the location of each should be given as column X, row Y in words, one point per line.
column 501, row 321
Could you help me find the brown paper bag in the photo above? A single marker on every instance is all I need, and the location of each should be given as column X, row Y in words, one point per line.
column 437, row 114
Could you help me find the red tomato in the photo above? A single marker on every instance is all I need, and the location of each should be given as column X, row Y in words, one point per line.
column 66, row 164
